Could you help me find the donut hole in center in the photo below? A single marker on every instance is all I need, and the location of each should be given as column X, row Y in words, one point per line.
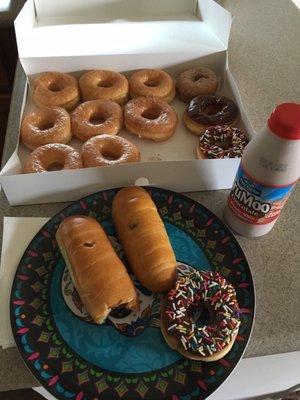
column 151, row 82
column 212, row 109
column 224, row 145
column 202, row 316
column 197, row 77
column 55, row 166
column 105, row 83
column 44, row 126
column 54, row 87
column 151, row 113
column 110, row 155
column 96, row 119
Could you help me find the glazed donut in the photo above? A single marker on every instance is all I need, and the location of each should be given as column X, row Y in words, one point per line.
column 108, row 150
column 96, row 117
column 195, row 82
column 192, row 292
column 52, row 157
column 54, row 89
column 152, row 83
column 46, row 125
column 104, row 85
column 150, row 118
column 221, row 141
column 205, row 111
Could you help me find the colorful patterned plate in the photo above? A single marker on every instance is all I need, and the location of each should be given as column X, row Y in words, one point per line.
column 126, row 358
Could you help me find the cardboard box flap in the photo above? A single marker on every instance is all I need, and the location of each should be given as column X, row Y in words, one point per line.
column 217, row 18
column 190, row 27
column 113, row 9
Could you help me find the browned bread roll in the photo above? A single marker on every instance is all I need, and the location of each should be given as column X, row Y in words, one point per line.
column 144, row 239
column 98, row 274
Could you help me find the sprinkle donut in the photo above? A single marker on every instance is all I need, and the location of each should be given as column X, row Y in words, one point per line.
column 221, row 141
column 193, row 292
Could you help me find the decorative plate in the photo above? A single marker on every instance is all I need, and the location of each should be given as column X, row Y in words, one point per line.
column 127, row 357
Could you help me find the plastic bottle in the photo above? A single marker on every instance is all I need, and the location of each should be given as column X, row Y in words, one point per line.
column 268, row 172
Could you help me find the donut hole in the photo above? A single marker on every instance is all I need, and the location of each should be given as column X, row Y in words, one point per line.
column 197, row 77
column 54, row 87
column 212, row 109
column 151, row 113
column 224, row 145
column 105, row 83
column 110, row 155
column 151, row 82
column 96, row 119
column 202, row 316
column 44, row 126
column 55, row 166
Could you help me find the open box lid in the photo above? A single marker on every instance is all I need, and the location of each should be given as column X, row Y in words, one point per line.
column 67, row 28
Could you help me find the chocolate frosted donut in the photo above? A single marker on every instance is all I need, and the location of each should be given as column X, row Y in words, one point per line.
column 221, row 141
column 205, row 111
column 191, row 293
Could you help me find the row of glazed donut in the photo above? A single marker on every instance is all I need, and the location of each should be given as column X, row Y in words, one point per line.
column 101, row 150
column 55, row 89
column 146, row 117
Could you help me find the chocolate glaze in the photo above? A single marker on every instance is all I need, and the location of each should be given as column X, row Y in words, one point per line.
column 226, row 110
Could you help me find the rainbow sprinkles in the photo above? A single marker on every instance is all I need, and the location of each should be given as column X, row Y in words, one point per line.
column 192, row 291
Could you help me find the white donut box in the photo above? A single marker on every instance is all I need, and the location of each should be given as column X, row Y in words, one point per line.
column 124, row 35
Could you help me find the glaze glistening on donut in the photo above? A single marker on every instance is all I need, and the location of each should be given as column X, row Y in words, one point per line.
column 205, row 111
column 55, row 89
column 221, row 141
column 152, row 83
column 108, row 150
column 150, row 118
column 104, row 85
column 51, row 157
column 196, row 289
column 46, row 125
column 96, row 117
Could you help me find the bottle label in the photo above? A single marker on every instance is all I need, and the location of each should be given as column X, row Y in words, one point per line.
column 254, row 202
